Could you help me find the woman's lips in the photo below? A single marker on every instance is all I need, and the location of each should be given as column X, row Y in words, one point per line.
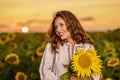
column 61, row 34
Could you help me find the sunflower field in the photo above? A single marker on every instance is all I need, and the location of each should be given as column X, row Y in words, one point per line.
column 21, row 53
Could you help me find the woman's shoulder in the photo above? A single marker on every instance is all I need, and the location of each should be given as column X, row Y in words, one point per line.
column 48, row 45
column 88, row 44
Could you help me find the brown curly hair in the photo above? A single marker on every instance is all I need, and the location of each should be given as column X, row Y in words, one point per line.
column 73, row 26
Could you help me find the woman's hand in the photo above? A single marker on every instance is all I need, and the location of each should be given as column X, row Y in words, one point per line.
column 73, row 77
column 87, row 78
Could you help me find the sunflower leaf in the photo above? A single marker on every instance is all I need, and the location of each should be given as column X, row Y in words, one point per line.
column 66, row 65
column 65, row 76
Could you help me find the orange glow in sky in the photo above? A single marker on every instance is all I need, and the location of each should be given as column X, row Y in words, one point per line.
column 94, row 15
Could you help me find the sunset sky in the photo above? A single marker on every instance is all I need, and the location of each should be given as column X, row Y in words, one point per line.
column 94, row 15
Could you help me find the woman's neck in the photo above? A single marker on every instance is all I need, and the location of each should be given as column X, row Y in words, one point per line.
column 72, row 42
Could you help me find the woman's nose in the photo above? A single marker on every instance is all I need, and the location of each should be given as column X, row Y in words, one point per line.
column 58, row 29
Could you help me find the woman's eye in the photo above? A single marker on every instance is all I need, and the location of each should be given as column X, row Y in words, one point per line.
column 61, row 25
column 56, row 27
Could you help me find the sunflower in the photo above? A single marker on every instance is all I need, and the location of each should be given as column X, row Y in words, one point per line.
column 12, row 58
column 39, row 51
column 109, row 79
column 37, row 38
column 110, row 50
column 113, row 62
column 34, row 57
column 20, row 76
column 11, row 36
column 2, row 63
column 1, row 69
column 13, row 45
column 3, row 40
column 85, row 63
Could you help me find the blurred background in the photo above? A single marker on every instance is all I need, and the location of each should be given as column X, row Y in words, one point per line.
column 95, row 15
column 23, row 24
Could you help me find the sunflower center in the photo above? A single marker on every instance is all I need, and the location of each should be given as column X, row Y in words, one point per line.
column 11, row 59
column 10, row 36
column 84, row 61
column 13, row 45
column 21, row 77
column 3, row 39
column 113, row 62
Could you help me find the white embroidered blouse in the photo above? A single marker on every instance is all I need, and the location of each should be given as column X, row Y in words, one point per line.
column 52, row 66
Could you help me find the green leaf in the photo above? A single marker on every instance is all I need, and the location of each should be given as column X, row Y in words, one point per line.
column 66, row 65
column 65, row 76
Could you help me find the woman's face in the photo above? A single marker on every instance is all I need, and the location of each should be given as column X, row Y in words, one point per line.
column 61, row 29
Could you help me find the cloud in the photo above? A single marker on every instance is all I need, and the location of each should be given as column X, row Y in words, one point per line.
column 34, row 23
column 87, row 19
column 3, row 25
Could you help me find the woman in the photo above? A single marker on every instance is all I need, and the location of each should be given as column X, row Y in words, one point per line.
column 65, row 36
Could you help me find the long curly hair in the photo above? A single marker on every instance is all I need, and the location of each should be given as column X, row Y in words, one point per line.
column 78, row 34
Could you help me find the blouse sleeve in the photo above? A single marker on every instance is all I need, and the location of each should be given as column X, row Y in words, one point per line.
column 45, row 69
column 95, row 77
